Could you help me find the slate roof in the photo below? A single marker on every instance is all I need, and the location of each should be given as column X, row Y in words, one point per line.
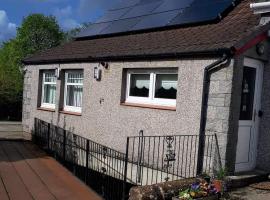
column 211, row 38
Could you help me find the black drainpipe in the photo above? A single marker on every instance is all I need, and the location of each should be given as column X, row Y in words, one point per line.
column 224, row 62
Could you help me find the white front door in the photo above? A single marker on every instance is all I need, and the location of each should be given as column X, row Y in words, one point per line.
column 249, row 115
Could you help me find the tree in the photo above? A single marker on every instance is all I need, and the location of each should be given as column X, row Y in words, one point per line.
column 37, row 33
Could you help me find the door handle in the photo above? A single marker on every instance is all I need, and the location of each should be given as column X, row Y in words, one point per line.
column 260, row 113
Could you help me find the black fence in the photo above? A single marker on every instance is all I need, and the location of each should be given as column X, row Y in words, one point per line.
column 147, row 160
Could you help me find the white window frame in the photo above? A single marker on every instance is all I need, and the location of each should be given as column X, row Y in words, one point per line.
column 66, row 107
column 47, row 105
column 150, row 100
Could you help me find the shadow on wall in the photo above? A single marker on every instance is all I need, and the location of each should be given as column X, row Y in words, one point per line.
column 11, row 111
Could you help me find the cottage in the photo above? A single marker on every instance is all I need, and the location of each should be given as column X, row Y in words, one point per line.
column 164, row 67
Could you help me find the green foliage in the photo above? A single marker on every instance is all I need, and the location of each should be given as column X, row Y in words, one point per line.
column 37, row 33
column 184, row 195
column 221, row 174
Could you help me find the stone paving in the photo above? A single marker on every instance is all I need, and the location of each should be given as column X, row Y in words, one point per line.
column 248, row 193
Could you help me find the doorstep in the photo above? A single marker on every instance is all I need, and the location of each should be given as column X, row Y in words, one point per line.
column 246, row 178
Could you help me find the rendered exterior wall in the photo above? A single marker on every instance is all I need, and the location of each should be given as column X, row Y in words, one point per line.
column 110, row 123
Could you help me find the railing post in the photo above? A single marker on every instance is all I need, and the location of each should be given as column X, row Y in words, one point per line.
column 125, row 172
column 218, row 152
column 140, row 156
column 87, row 160
column 64, row 145
column 48, row 136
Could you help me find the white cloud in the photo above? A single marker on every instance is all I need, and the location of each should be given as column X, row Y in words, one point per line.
column 7, row 28
column 64, row 17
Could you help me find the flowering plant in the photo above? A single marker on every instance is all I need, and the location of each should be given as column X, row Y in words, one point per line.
column 199, row 189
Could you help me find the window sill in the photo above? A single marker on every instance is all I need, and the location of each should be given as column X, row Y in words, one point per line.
column 70, row 113
column 171, row 108
column 46, row 109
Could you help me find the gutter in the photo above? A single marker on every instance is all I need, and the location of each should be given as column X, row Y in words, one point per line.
column 221, row 63
column 260, row 8
column 141, row 57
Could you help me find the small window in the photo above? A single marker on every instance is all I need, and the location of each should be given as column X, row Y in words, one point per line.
column 158, row 87
column 73, row 90
column 48, row 89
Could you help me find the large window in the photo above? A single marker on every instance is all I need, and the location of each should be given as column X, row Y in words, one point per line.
column 158, row 87
column 73, row 90
column 48, row 89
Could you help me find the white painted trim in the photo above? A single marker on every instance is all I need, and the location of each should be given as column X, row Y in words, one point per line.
column 260, row 8
column 66, row 107
column 151, row 100
column 46, row 105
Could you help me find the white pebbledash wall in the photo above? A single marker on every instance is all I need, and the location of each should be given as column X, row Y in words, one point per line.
column 110, row 123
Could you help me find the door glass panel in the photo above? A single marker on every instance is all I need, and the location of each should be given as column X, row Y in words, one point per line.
column 248, row 91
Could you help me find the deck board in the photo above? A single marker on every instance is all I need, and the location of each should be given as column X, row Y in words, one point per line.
column 28, row 173
column 12, row 181
column 32, row 181
column 3, row 192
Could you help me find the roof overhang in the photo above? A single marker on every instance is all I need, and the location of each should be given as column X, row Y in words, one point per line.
column 136, row 58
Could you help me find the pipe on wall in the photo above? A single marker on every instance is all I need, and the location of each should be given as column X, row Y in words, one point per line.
column 260, row 8
column 222, row 62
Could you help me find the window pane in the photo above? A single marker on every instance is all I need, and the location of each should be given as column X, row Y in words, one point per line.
column 49, row 93
column 166, row 86
column 248, row 90
column 75, row 77
column 50, row 77
column 74, row 95
column 139, row 85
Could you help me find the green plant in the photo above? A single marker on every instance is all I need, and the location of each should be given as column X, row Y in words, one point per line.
column 185, row 195
column 221, row 174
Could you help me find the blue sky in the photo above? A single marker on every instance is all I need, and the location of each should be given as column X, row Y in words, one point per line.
column 69, row 13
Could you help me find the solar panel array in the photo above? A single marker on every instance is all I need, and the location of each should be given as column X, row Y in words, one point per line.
column 135, row 15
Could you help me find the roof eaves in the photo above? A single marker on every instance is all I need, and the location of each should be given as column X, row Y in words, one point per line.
column 190, row 54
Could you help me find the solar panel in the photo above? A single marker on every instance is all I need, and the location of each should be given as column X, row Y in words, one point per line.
column 156, row 20
column 113, row 15
column 121, row 26
column 93, row 29
column 173, row 5
column 124, row 4
column 142, row 9
column 135, row 15
column 201, row 13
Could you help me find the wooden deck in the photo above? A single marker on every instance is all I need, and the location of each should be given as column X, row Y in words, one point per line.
column 27, row 173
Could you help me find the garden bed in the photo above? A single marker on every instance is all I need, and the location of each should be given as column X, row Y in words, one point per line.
column 213, row 197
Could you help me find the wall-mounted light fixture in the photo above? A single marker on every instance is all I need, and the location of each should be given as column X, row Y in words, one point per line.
column 97, row 73
column 260, row 49
column 105, row 65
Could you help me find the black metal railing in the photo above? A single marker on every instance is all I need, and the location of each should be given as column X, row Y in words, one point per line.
column 100, row 167
column 147, row 160
column 155, row 159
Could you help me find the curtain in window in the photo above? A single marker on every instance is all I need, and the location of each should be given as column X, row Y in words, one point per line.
column 49, row 88
column 49, row 93
column 74, row 95
column 166, row 86
column 74, row 89
column 139, row 85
